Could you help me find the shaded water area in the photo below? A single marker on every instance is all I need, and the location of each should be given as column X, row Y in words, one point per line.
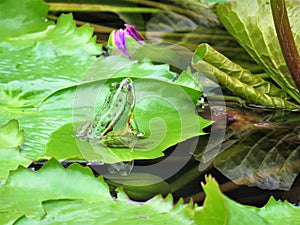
column 260, row 150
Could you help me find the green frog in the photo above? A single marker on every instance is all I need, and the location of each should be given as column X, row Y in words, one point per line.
column 114, row 125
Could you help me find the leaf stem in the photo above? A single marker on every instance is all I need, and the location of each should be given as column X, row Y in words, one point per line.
column 286, row 39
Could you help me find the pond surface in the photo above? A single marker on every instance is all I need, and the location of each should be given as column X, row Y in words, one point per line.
column 260, row 149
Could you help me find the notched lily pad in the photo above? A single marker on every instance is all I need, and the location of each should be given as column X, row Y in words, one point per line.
column 219, row 209
column 10, row 135
column 11, row 138
column 163, row 117
column 25, row 190
column 37, row 58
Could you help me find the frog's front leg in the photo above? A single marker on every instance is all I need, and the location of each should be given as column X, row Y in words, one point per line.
column 133, row 127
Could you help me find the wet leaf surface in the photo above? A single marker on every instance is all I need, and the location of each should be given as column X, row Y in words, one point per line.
column 10, row 140
column 164, row 119
column 25, row 190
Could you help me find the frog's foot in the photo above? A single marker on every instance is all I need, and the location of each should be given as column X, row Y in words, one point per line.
column 113, row 141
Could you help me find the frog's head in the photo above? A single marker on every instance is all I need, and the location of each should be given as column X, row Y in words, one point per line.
column 125, row 86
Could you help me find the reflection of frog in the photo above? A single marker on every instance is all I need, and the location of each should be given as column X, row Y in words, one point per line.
column 114, row 124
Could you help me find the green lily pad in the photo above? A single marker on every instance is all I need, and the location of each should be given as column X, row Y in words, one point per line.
column 37, row 58
column 42, row 71
column 16, row 20
column 10, row 135
column 219, row 209
column 34, row 66
column 10, row 140
column 164, row 112
column 25, row 190
column 157, row 211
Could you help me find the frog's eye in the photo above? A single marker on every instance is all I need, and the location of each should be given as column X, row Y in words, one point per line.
column 128, row 87
column 114, row 86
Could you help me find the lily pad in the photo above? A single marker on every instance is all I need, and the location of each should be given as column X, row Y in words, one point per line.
column 16, row 20
column 164, row 112
column 25, row 190
column 157, row 211
column 10, row 140
column 35, row 55
column 34, row 66
column 219, row 209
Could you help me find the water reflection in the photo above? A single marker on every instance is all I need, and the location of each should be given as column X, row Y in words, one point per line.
column 261, row 148
column 121, row 168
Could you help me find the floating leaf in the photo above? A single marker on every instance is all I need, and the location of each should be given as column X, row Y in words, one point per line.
column 161, row 115
column 25, row 190
column 10, row 135
column 219, row 209
column 74, row 195
column 16, row 20
column 156, row 211
column 11, row 138
column 68, row 203
column 277, row 212
column 36, row 59
column 32, row 67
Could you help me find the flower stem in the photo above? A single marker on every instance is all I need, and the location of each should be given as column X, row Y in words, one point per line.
column 286, row 39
